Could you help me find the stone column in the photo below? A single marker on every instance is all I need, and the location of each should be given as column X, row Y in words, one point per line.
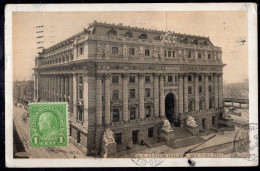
column 49, row 99
column 66, row 88
column 216, row 90
column 71, row 93
column 107, row 98
column 185, row 94
column 141, row 95
column 125, row 98
column 220, row 90
column 99, row 99
column 156, row 94
column 75, row 96
column 51, row 88
column 196, row 87
column 206, row 91
column 59, row 88
column 180, row 87
column 85, row 97
column 162, row 98
column 62, row 87
column 54, row 88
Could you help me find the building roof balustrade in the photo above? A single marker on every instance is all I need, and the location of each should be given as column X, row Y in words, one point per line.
column 151, row 42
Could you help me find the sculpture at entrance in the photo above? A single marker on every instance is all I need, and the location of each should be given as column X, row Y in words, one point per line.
column 107, row 48
column 167, row 126
column 108, row 136
column 191, row 121
column 226, row 115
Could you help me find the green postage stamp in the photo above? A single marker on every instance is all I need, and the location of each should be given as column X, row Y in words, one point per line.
column 48, row 124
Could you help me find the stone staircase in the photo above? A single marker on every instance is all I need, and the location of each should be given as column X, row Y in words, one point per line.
column 152, row 142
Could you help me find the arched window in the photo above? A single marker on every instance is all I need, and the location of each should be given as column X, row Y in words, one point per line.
column 204, row 43
column 185, row 40
column 195, row 41
column 112, row 32
column 129, row 34
column 143, row 36
column 157, row 37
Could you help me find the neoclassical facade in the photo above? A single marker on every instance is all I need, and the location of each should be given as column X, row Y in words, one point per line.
column 130, row 80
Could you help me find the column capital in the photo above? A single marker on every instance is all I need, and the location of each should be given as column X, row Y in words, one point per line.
column 196, row 75
column 180, row 74
column 156, row 75
column 125, row 75
column 162, row 74
column 140, row 75
column 99, row 75
column 107, row 75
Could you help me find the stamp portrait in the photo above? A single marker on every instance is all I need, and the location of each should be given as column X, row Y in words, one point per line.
column 48, row 124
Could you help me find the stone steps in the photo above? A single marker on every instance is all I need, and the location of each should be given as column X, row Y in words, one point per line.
column 184, row 142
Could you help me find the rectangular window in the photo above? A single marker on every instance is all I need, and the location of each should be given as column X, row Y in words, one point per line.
column 115, row 95
column 114, row 50
column 81, row 51
column 169, row 78
column 200, row 77
column 147, row 79
column 173, row 54
column 176, row 79
column 132, row 79
column 148, row 111
column 131, row 51
column 200, row 89
column 189, row 78
column 80, row 112
column 210, row 78
column 199, row 55
column 132, row 113
column 115, row 115
column 147, row 52
column 80, row 80
column 132, row 93
column 209, row 56
column 147, row 92
column 189, row 56
column 115, row 79
column 80, row 94
column 210, row 88
column 165, row 53
column 169, row 53
column 189, row 90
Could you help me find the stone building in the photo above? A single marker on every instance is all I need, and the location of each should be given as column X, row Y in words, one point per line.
column 130, row 80
column 23, row 91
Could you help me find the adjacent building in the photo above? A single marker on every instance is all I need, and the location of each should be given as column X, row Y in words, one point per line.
column 23, row 91
column 130, row 80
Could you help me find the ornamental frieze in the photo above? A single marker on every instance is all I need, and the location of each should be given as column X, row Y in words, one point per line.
column 200, row 68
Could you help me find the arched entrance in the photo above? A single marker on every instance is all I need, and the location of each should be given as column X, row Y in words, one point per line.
column 170, row 107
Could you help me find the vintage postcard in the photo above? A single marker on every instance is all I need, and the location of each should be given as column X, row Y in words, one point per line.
column 131, row 85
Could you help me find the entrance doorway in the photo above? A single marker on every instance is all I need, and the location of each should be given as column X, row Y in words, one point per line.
column 135, row 136
column 203, row 123
column 169, row 107
column 150, row 132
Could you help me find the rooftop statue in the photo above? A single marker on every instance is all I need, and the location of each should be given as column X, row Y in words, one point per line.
column 167, row 126
column 108, row 136
column 191, row 121
column 168, row 39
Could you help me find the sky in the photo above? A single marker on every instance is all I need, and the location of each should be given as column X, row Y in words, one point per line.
column 228, row 30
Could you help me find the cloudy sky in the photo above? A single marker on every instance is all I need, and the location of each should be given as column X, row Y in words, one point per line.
column 225, row 29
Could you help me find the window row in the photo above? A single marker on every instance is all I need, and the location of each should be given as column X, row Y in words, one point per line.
column 199, row 78
column 115, row 79
column 200, row 89
column 133, row 113
column 132, row 93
